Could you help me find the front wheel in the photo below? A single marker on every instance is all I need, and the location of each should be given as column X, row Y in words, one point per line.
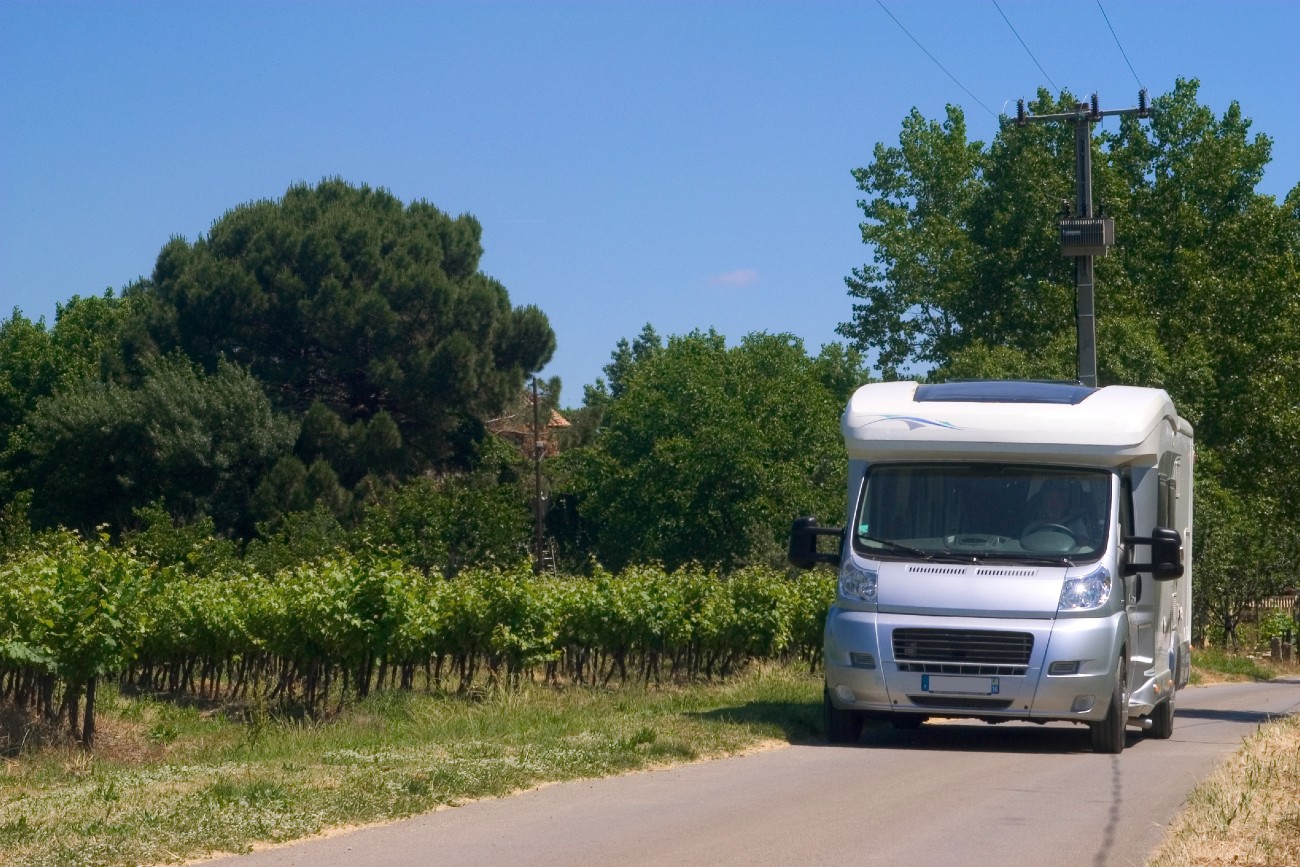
column 1107, row 735
column 842, row 726
column 1162, row 720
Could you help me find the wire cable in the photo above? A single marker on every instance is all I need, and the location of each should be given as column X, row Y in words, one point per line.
column 1026, row 47
column 1121, row 47
column 935, row 61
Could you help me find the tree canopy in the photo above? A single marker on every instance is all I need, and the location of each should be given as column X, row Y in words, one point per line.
column 93, row 451
column 707, row 452
column 311, row 352
column 1198, row 296
column 342, row 295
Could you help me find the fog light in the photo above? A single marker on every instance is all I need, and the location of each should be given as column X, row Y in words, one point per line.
column 862, row 660
column 1069, row 666
column 1083, row 703
column 844, row 694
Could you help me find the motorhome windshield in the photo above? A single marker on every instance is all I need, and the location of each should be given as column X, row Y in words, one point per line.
column 983, row 510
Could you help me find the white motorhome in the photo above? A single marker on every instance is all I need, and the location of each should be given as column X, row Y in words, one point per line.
column 1014, row 551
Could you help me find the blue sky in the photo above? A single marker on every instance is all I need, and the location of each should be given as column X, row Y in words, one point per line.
column 684, row 164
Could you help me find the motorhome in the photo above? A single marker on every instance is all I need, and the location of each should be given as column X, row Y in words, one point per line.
column 1014, row 551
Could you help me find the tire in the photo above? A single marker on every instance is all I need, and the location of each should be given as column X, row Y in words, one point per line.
column 1107, row 735
column 1162, row 720
column 842, row 726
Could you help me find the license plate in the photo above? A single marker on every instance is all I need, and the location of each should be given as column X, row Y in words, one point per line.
column 959, row 685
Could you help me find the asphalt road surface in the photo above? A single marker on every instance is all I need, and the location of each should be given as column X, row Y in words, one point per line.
column 953, row 793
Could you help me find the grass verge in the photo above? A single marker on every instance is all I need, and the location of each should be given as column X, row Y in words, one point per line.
column 170, row 783
column 1213, row 665
column 1248, row 810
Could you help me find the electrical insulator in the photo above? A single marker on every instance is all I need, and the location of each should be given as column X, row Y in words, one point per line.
column 1142, row 103
column 1096, row 108
column 1020, row 112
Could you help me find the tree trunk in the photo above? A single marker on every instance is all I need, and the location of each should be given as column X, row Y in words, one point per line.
column 88, row 726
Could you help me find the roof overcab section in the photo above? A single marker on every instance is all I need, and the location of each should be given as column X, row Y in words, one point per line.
column 1059, row 422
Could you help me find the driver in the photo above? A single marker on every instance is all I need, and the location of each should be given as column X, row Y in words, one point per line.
column 1055, row 507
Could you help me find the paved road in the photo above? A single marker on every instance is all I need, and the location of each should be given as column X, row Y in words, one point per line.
column 952, row 793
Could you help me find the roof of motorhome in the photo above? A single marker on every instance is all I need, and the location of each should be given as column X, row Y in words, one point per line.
column 964, row 419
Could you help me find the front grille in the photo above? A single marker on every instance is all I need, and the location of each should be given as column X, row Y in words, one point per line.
column 961, row 668
column 951, row 703
column 962, row 651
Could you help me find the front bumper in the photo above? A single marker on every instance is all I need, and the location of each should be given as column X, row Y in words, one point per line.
column 863, row 674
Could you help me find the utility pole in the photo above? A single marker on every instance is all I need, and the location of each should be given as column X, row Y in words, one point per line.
column 539, row 448
column 1084, row 235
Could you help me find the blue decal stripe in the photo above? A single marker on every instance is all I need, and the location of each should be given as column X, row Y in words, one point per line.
column 914, row 422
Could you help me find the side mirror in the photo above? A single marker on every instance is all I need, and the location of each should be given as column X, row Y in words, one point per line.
column 803, row 543
column 1166, row 554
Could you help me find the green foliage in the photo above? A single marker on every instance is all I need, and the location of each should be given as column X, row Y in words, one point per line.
column 1244, row 553
column 172, row 610
column 342, row 295
column 705, row 453
column 967, row 277
column 28, row 370
column 1276, row 624
column 296, row 537
column 442, row 526
column 71, row 610
column 94, row 451
column 85, row 342
column 193, row 548
column 1216, row 660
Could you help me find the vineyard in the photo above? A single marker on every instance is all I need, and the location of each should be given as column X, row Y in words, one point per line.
column 74, row 611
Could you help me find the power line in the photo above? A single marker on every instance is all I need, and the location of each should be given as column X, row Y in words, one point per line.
column 935, row 61
column 1121, row 47
column 1026, row 47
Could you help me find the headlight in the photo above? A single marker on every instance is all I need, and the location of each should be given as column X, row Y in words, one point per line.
column 1085, row 593
column 858, row 584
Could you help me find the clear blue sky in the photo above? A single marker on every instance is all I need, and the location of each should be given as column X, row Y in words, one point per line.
column 685, row 164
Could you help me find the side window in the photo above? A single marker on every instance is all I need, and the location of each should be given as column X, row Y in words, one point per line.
column 1168, row 491
column 1126, row 505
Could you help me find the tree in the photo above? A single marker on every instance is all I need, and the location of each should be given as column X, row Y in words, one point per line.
column 1245, row 554
column 342, row 295
column 967, row 277
column 444, row 525
column 86, row 340
column 28, row 370
column 93, row 452
column 708, row 452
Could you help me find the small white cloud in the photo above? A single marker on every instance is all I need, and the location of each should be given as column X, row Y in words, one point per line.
column 737, row 279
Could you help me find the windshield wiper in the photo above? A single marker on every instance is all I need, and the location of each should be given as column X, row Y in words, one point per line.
column 897, row 547
column 1044, row 560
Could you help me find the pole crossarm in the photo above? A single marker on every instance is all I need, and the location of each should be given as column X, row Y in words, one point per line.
column 1084, row 111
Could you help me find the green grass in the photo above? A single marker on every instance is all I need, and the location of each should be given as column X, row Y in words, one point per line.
column 169, row 783
column 1213, row 664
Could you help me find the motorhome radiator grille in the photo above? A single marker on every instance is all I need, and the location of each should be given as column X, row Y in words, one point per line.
column 962, row 651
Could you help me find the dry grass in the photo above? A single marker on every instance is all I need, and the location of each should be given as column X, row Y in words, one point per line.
column 1247, row 812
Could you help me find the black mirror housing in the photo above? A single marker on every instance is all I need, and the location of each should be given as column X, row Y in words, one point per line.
column 803, row 552
column 1166, row 554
